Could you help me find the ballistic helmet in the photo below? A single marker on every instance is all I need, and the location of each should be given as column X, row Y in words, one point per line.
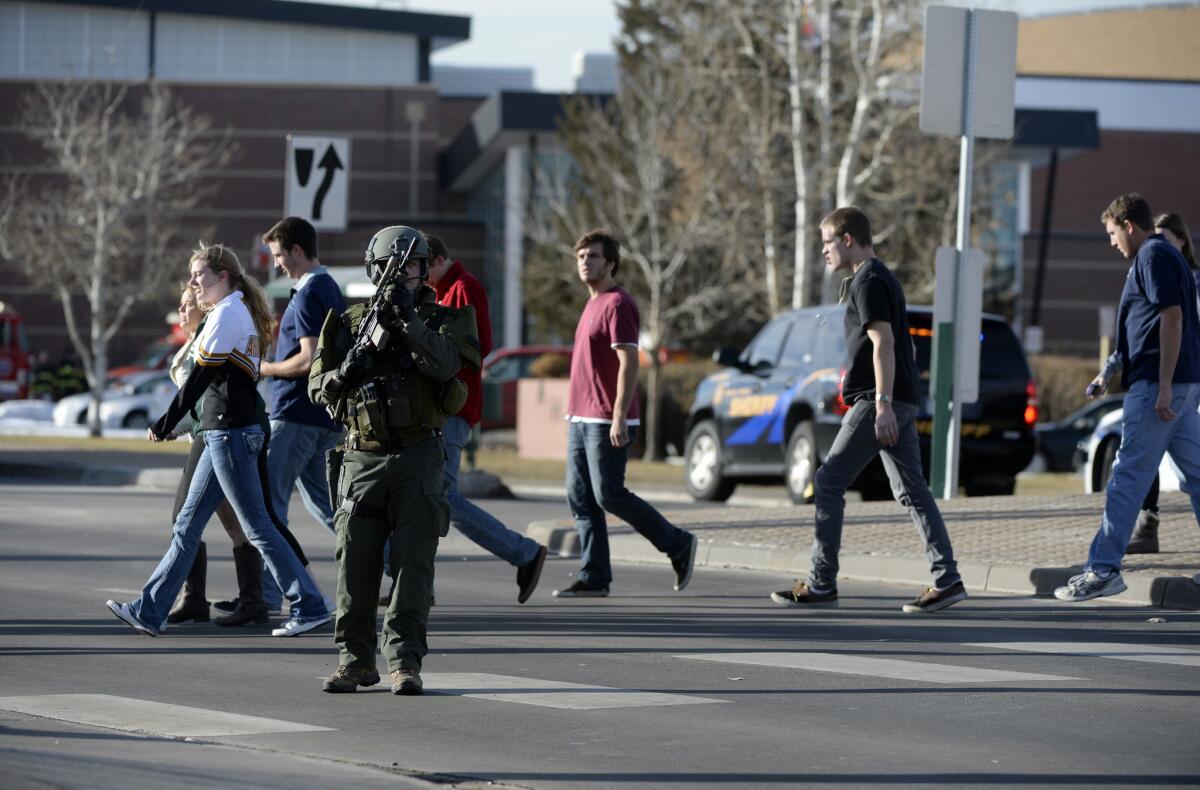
column 394, row 240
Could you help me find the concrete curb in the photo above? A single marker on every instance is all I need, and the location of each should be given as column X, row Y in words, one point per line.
column 1167, row 592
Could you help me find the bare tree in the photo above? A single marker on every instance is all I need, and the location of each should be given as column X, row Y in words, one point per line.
column 125, row 166
column 636, row 167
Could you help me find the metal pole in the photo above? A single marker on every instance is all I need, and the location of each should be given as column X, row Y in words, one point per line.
column 1044, row 240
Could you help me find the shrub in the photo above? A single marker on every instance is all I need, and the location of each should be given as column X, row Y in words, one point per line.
column 550, row 366
column 1061, row 381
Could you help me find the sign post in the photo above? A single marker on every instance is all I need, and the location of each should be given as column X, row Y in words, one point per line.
column 968, row 52
column 317, row 182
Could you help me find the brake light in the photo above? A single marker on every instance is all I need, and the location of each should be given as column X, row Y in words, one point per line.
column 839, row 403
column 1031, row 403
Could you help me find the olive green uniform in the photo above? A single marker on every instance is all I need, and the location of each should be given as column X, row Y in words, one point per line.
column 391, row 484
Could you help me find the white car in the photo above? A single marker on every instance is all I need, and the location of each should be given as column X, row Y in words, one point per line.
column 135, row 401
column 1101, row 451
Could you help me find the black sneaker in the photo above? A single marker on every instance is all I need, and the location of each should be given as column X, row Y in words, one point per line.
column 582, row 590
column 801, row 595
column 347, row 679
column 529, row 574
column 933, row 599
column 683, row 562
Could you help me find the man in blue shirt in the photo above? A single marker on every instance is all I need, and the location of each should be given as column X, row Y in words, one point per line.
column 1158, row 341
column 301, row 432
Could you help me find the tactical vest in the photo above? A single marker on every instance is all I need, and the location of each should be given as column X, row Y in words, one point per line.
column 396, row 405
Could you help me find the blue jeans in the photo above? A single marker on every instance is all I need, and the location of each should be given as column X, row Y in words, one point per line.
column 595, row 484
column 470, row 519
column 1146, row 439
column 296, row 454
column 227, row 467
column 853, row 448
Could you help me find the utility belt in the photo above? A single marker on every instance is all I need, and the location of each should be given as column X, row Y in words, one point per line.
column 393, row 444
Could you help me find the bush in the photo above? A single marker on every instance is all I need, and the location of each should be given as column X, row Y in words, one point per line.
column 1061, row 381
column 550, row 366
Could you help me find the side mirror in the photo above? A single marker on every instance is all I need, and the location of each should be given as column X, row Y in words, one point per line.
column 727, row 357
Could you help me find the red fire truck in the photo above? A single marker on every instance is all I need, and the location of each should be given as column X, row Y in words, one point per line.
column 14, row 355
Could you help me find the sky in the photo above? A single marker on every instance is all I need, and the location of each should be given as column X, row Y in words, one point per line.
column 546, row 35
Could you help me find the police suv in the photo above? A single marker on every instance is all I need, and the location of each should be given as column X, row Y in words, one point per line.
column 775, row 410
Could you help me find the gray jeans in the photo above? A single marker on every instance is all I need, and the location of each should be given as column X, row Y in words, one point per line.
column 853, row 448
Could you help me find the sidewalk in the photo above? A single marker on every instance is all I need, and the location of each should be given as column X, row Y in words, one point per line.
column 1025, row 545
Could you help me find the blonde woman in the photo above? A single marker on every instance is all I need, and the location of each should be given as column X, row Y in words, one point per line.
column 227, row 354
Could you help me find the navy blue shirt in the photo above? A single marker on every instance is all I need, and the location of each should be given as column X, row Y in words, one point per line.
column 313, row 297
column 1158, row 278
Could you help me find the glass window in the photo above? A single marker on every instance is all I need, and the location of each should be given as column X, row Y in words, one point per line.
column 830, row 343
column 798, row 350
column 763, row 351
column 1000, row 355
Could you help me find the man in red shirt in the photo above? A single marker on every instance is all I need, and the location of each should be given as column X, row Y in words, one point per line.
column 602, row 409
column 456, row 287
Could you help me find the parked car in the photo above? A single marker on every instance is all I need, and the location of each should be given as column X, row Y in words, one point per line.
column 135, row 401
column 501, row 371
column 774, row 411
column 1099, row 451
column 1058, row 442
column 157, row 355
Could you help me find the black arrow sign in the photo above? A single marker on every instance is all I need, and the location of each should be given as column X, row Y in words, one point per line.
column 330, row 163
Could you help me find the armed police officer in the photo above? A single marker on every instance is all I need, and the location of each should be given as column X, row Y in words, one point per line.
column 386, row 369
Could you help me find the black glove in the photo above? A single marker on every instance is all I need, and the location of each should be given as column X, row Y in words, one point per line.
column 354, row 365
column 402, row 302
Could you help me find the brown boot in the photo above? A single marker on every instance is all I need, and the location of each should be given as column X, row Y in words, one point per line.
column 192, row 607
column 1145, row 535
column 251, row 608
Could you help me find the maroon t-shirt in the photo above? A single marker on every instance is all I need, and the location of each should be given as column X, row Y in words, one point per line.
column 609, row 320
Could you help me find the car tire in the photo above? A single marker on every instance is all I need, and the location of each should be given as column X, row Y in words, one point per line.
column 136, row 419
column 991, row 486
column 800, row 464
column 1106, row 456
column 702, row 475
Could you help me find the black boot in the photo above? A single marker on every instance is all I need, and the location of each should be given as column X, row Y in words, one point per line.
column 1145, row 535
column 251, row 608
column 192, row 606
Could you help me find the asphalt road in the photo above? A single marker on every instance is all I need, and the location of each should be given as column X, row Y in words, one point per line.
column 714, row 687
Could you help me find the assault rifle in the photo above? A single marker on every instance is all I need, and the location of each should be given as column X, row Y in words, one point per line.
column 372, row 331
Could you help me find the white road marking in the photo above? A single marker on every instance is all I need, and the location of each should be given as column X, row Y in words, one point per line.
column 1154, row 654
column 145, row 716
column 844, row 664
column 549, row 693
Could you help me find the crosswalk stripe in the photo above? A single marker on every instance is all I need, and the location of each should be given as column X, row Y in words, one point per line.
column 845, row 664
column 145, row 716
column 549, row 693
column 1154, row 654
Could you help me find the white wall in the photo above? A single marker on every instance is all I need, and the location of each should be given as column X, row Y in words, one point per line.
column 43, row 40
column 1120, row 104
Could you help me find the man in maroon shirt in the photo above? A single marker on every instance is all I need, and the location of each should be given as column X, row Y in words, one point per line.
column 456, row 287
column 602, row 409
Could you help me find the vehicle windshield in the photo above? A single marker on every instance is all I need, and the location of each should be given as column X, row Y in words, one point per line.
column 1000, row 355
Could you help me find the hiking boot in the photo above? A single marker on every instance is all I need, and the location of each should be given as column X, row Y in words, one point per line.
column 295, row 626
column 1145, row 534
column 683, row 562
column 803, row 595
column 934, row 599
column 407, row 682
column 126, row 616
column 1090, row 584
column 347, row 679
column 529, row 574
column 581, row 589
column 192, row 606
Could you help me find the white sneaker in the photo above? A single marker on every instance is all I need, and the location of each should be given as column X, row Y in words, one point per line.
column 295, row 626
column 1196, row 578
column 126, row 615
column 1090, row 585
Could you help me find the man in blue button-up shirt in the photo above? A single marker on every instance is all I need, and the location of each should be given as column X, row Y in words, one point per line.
column 1158, row 340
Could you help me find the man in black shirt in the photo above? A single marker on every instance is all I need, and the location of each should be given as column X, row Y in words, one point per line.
column 880, row 386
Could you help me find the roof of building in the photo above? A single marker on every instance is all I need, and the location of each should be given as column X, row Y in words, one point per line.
column 1160, row 43
column 445, row 28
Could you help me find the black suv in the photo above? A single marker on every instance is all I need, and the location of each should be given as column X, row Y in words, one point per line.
column 774, row 412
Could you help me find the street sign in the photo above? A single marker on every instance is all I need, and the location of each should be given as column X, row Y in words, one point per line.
column 994, row 76
column 317, row 182
column 967, row 291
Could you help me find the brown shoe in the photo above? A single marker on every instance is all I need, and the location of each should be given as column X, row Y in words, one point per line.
column 407, row 682
column 347, row 679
